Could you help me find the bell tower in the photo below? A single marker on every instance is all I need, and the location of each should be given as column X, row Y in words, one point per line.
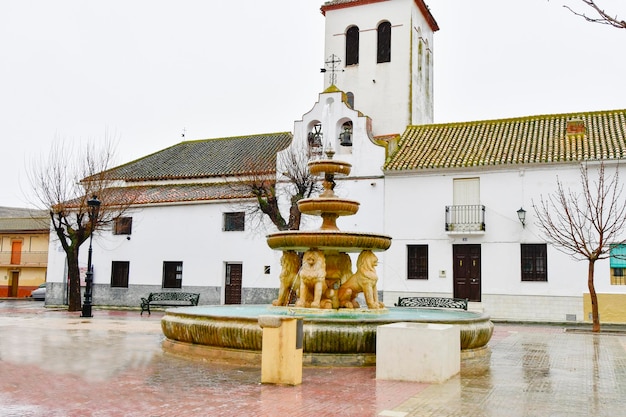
column 380, row 53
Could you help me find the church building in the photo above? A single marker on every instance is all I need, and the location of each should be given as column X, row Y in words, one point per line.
column 456, row 198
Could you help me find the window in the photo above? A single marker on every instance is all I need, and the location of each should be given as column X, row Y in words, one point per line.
column 172, row 274
column 352, row 46
column 123, row 226
column 618, row 264
column 534, row 262
column 234, row 221
column 417, row 262
column 350, row 97
column 119, row 273
column 384, row 43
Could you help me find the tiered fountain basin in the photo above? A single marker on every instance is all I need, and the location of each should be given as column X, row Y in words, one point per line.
column 328, row 241
column 317, row 206
column 345, row 337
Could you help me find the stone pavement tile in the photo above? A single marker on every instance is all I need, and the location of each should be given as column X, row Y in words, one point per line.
column 55, row 364
column 63, row 365
column 534, row 371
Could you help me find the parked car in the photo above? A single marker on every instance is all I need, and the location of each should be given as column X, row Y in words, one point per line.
column 39, row 293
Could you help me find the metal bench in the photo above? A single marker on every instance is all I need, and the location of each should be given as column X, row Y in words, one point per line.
column 440, row 302
column 169, row 299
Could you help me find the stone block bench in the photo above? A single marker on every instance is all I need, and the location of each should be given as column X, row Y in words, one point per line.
column 440, row 302
column 169, row 299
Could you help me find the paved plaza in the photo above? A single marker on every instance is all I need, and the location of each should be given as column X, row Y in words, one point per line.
column 55, row 363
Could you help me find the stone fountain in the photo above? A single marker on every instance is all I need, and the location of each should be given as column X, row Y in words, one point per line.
column 324, row 278
column 337, row 330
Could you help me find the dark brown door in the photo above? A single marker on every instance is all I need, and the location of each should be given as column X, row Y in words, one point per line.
column 466, row 271
column 15, row 284
column 172, row 274
column 232, row 290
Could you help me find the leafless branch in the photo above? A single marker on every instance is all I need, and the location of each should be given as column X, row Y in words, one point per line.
column 603, row 17
column 63, row 180
column 585, row 225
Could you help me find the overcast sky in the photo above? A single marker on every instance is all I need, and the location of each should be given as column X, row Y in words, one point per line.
column 141, row 71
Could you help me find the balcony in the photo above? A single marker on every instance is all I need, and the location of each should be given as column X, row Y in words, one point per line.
column 34, row 259
column 465, row 219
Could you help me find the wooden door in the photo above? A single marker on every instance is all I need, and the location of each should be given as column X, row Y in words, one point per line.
column 15, row 284
column 172, row 274
column 16, row 252
column 466, row 271
column 232, row 286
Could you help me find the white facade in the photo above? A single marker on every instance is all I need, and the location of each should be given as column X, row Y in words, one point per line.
column 419, row 218
column 410, row 206
column 395, row 93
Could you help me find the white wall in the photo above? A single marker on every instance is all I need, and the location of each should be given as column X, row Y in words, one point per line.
column 415, row 214
column 391, row 79
column 189, row 233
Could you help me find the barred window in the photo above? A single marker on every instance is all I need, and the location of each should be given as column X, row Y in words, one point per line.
column 534, row 262
column 234, row 222
column 417, row 262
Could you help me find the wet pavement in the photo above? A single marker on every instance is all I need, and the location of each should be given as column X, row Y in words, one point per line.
column 55, row 363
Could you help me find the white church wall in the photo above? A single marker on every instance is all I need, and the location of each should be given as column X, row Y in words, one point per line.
column 370, row 80
column 365, row 156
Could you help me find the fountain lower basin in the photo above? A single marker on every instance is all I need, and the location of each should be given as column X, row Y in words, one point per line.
column 331, row 337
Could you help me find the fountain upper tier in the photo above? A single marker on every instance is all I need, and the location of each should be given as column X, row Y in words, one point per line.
column 329, row 207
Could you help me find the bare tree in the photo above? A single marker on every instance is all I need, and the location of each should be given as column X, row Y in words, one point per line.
column 294, row 184
column 600, row 16
column 63, row 181
column 585, row 224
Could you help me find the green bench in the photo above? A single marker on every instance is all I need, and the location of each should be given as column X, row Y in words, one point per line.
column 440, row 302
column 169, row 299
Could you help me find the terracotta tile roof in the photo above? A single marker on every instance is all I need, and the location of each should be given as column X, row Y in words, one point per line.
column 524, row 140
column 207, row 158
column 174, row 193
column 340, row 4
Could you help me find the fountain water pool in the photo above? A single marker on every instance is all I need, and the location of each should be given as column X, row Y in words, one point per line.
column 331, row 337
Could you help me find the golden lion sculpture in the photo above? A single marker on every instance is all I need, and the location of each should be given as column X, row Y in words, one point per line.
column 312, row 278
column 364, row 280
column 290, row 262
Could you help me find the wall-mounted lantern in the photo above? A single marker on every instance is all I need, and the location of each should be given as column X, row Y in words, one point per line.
column 521, row 215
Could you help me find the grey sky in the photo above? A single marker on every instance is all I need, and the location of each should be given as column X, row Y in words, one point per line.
column 141, row 71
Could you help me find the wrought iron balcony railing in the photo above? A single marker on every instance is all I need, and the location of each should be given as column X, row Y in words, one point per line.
column 470, row 218
column 36, row 258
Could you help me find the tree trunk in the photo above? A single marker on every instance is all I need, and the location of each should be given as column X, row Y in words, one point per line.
column 74, row 302
column 593, row 296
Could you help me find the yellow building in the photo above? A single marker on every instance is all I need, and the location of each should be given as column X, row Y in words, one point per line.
column 24, row 235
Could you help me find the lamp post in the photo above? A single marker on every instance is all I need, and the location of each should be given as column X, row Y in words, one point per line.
column 94, row 206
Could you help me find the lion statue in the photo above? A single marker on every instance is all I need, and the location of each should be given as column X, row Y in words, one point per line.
column 338, row 271
column 364, row 280
column 312, row 278
column 290, row 263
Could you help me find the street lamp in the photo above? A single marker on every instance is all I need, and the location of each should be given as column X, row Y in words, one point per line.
column 94, row 206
